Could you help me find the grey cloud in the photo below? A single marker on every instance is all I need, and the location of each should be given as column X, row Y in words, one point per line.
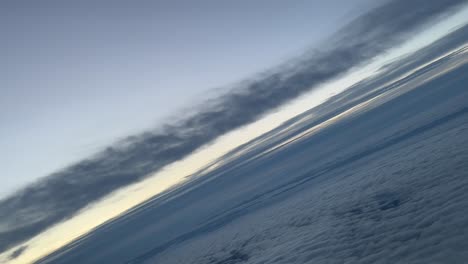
column 396, row 196
column 60, row 195
column 315, row 182
column 360, row 92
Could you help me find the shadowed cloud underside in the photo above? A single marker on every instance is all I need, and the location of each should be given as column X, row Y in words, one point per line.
column 62, row 194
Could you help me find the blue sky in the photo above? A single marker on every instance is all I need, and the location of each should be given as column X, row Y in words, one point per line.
column 76, row 76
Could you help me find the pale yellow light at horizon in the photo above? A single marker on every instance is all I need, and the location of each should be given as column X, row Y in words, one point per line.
column 121, row 200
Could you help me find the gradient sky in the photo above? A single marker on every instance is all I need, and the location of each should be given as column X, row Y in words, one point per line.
column 134, row 194
column 77, row 75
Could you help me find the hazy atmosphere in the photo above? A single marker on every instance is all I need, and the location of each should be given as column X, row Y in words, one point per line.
column 78, row 76
column 172, row 128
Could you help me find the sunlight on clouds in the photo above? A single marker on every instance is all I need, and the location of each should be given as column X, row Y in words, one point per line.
column 122, row 200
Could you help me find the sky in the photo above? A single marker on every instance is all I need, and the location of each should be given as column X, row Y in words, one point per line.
column 79, row 75
column 134, row 194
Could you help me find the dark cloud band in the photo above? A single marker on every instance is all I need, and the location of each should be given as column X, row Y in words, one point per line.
column 60, row 195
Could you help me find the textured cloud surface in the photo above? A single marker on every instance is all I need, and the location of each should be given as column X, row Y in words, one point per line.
column 381, row 180
column 406, row 206
column 395, row 194
column 60, row 195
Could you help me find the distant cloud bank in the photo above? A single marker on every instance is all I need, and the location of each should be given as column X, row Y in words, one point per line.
column 60, row 195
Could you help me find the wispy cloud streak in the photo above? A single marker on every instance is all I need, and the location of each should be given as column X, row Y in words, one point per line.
column 60, row 195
